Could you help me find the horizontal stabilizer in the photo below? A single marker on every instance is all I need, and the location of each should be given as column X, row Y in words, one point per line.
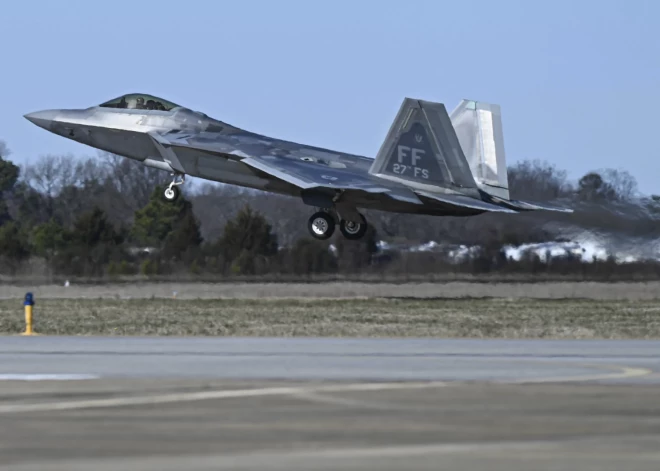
column 465, row 202
column 527, row 206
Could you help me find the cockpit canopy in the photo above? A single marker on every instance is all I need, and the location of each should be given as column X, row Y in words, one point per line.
column 139, row 101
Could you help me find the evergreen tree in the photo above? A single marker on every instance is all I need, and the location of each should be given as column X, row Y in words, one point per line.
column 246, row 241
column 154, row 222
column 249, row 231
column 93, row 242
column 48, row 239
column 184, row 239
column 13, row 243
column 593, row 188
column 312, row 256
column 169, row 226
column 8, row 177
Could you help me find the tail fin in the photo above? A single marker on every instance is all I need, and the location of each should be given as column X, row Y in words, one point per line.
column 478, row 126
column 422, row 150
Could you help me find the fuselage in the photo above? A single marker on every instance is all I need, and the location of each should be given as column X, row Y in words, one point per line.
column 421, row 167
column 127, row 132
column 182, row 141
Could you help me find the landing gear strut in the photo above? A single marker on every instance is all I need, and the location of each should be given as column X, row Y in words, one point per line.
column 172, row 192
column 322, row 225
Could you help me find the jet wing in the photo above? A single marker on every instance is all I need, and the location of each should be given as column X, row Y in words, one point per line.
column 308, row 175
column 303, row 174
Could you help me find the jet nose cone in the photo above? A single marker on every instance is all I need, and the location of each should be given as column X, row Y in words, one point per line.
column 43, row 119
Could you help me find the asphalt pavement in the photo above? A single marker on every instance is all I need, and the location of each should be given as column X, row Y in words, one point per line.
column 297, row 404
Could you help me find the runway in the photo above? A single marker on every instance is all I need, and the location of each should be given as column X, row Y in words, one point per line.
column 331, row 359
column 290, row 403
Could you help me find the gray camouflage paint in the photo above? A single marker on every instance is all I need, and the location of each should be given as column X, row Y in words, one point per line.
column 177, row 139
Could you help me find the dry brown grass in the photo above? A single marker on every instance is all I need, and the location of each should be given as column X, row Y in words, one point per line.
column 336, row 290
column 480, row 318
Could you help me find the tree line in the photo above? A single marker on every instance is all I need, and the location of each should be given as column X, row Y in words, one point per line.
column 104, row 216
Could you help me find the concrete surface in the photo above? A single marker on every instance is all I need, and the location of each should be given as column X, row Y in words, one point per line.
column 327, row 404
column 330, row 359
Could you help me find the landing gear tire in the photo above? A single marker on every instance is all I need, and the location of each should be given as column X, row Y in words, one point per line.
column 353, row 230
column 321, row 225
column 171, row 193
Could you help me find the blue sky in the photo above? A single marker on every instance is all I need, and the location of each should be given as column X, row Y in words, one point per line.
column 578, row 81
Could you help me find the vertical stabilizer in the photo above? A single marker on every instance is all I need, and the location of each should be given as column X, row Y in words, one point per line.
column 422, row 151
column 478, row 126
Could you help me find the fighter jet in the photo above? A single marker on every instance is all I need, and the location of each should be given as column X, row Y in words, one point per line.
column 431, row 162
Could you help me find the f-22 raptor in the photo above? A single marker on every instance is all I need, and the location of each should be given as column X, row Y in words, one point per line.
column 431, row 162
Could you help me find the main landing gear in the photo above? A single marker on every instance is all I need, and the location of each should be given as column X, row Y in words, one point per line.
column 322, row 225
column 172, row 192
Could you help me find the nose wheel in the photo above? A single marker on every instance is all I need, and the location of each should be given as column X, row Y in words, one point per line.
column 172, row 192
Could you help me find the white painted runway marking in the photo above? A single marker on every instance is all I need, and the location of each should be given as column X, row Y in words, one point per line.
column 618, row 372
column 623, row 372
column 340, row 401
column 207, row 395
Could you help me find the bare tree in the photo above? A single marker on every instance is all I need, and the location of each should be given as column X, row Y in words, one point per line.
column 622, row 182
column 132, row 181
column 51, row 173
column 537, row 180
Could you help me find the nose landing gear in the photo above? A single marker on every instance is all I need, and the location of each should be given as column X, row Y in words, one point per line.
column 172, row 192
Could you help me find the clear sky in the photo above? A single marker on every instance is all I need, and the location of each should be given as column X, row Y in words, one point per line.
column 578, row 81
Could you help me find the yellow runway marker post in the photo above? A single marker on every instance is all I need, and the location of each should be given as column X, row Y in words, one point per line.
column 29, row 304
